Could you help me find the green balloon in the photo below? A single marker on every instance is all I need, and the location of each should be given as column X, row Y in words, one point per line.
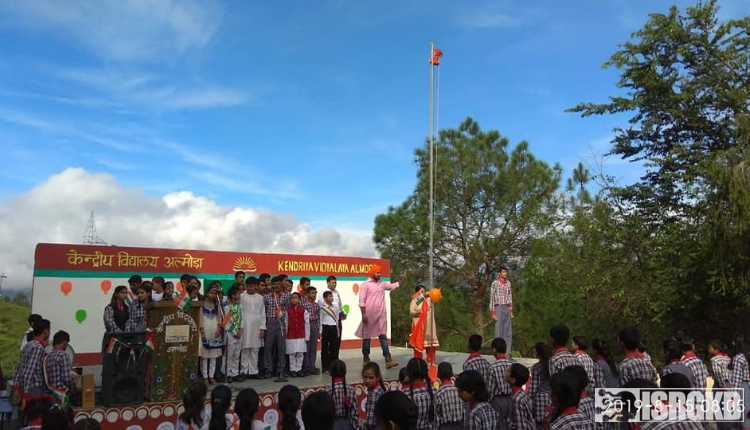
column 346, row 309
column 81, row 315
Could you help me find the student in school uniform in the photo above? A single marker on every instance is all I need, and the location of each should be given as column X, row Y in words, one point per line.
column 233, row 322
column 344, row 398
column 539, row 390
column 420, row 391
column 297, row 330
column 450, row 411
column 673, row 356
column 561, row 357
column 253, row 329
column 309, row 302
column 276, row 302
column 674, row 381
column 331, row 285
column 137, row 320
column 498, row 387
column 720, row 361
column 475, row 361
column 634, row 365
column 329, row 330
column 695, row 364
column 739, row 376
column 606, row 370
column 586, row 402
column 580, row 348
column 373, row 381
column 58, row 370
column 33, row 318
column 566, row 396
column 472, row 390
column 521, row 417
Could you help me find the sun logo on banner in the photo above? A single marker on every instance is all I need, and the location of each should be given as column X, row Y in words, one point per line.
column 244, row 264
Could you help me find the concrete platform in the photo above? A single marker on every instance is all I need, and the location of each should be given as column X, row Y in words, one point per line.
column 353, row 360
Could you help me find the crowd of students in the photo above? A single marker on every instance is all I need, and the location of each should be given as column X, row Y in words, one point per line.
column 260, row 329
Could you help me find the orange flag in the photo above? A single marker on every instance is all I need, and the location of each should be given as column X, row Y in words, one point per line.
column 436, row 54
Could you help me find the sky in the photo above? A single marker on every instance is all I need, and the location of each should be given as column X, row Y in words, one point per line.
column 277, row 126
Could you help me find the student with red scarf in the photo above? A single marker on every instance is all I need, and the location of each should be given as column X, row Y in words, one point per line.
column 423, row 338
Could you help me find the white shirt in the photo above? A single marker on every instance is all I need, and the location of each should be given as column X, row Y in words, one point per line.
column 336, row 301
column 325, row 318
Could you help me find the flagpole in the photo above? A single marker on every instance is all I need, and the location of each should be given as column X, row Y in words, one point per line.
column 432, row 172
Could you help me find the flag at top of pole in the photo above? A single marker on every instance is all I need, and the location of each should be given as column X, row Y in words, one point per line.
column 435, row 57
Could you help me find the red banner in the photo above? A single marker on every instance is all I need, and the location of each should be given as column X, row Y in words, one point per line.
column 88, row 258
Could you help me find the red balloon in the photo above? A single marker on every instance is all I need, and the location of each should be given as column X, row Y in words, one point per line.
column 66, row 287
column 105, row 286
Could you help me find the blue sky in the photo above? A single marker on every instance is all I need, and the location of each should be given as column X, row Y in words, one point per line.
column 306, row 108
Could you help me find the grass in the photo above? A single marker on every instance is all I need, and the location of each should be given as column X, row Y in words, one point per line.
column 12, row 326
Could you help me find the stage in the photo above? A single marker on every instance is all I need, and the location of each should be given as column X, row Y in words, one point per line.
column 161, row 416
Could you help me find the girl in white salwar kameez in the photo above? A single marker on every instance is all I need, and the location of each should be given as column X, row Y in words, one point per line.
column 297, row 328
column 212, row 334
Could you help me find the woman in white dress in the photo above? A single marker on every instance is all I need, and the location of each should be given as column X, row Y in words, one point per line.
column 212, row 333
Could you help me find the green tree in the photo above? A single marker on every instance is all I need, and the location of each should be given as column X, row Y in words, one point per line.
column 491, row 201
column 686, row 82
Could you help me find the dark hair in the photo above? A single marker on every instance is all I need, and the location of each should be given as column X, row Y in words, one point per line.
column 238, row 273
column 233, row 290
column 445, row 371
column 57, row 418
column 630, row 337
column 717, row 345
column 87, row 424
column 418, row 369
column 676, row 381
column 135, row 279
column 565, row 392
column 252, row 280
column 318, row 411
column 36, row 408
column 327, row 293
column 337, row 369
column 330, row 278
column 193, row 400
column 158, row 279
column 290, row 399
column 185, row 277
column 33, row 318
column 304, row 279
column 60, row 337
column 403, row 376
column 397, row 408
column 472, row 382
column 560, row 335
column 475, row 343
column 118, row 290
column 543, row 353
column 419, row 287
column 310, row 289
column 520, row 373
column 499, row 345
column 299, row 296
column 246, row 406
column 672, row 350
column 581, row 343
column 221, row 399
column 40, row 326
column 579, row 375
column 601, row 347
column 276, row 279
column 735, row 348
column 264, row 277
column 371, row 365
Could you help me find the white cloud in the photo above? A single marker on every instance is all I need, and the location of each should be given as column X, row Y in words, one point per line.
column 57, row 210
column 152, row 91
column 125, row 30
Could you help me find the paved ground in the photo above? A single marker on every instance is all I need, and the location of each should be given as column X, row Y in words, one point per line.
column 353, row 360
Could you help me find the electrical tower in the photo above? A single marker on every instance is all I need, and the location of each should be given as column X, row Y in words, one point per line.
column 91, row 237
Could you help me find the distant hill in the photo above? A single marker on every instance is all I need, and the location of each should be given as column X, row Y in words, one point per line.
column 12, row 326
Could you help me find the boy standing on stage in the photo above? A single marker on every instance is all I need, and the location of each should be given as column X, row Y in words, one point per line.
column 254, row 327
column 276, row 303
column 329, row 320
column 312, row 308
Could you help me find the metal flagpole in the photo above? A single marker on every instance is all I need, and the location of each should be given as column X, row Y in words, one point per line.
column 432, row 173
